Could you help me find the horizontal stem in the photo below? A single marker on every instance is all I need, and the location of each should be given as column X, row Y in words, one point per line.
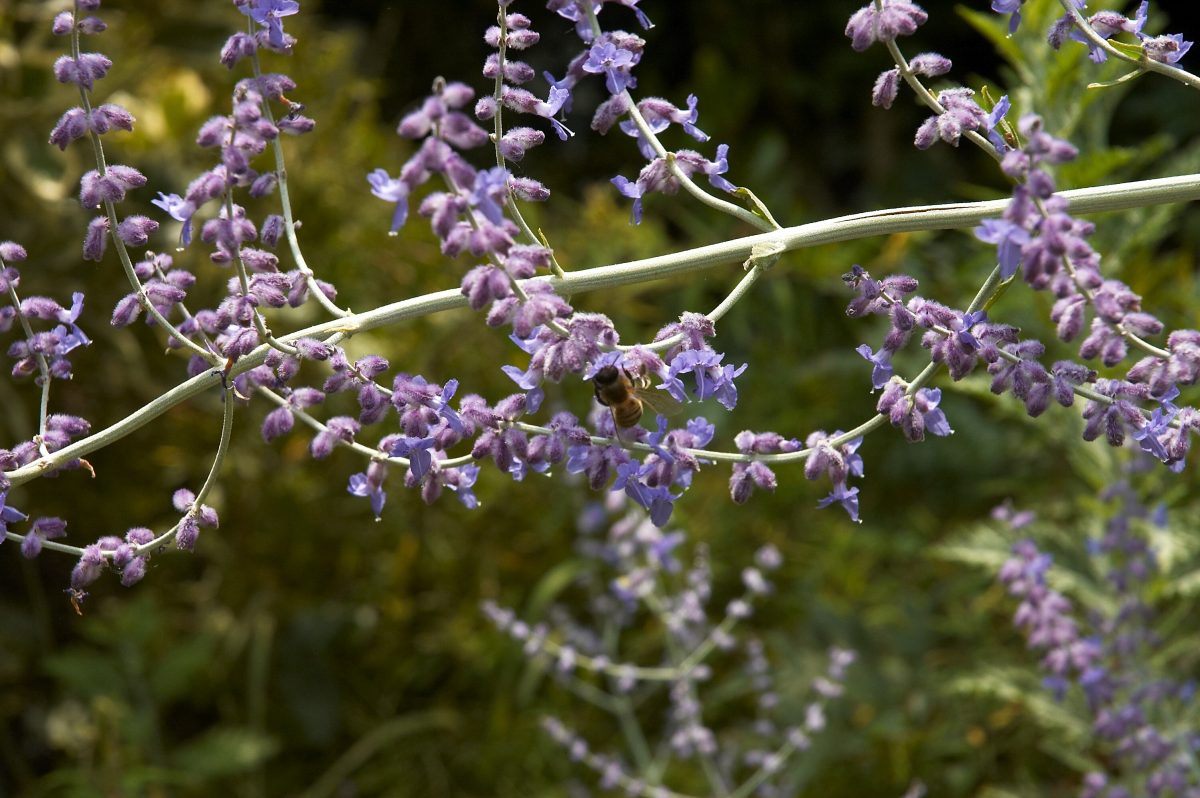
column 1121, row 196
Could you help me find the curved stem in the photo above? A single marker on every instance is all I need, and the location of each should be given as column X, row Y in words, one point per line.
column 209, row 482
column 43, row 367
column 1148, row 64
column 285, row 203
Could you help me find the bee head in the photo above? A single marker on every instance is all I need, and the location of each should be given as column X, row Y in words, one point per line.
column 607, row 375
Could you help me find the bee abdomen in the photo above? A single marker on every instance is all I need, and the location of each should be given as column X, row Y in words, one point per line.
column 628, row 413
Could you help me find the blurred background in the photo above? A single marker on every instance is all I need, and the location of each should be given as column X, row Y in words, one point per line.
column 306, row 649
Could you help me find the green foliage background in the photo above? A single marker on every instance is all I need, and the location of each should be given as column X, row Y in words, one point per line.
column 306, row 650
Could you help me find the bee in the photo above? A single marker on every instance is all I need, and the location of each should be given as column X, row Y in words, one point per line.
column 626, row 395
column 76, row 598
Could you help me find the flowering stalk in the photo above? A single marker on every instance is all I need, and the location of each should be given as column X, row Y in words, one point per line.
column 1144, row 59
column 1118, row 196
column 474, row 215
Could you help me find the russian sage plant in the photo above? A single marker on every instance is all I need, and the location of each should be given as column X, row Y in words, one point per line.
column 251, row 320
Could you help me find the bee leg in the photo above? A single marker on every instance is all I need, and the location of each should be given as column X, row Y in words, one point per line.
column 616, row 426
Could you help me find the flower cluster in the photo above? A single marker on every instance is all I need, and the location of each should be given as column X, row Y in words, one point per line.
column 108, row 184
column 1165, row 49
column 444, row 433
column 956, row 111
column 648, row 577
column 475, row 216
column 436, row 435
column 43, row 355
column 1129, row 701
column 1037, row 235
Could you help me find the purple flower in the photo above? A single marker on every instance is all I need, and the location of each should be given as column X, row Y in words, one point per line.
column 634, row 191
column 531, row 383
column 882, row 365
column 421, row 404
column 615, row 63
column 847, row 497
column 712, row 379
column 963, row 329
column 268, row 14
column 71, row 335
column 748, row 476
column 42, row 529
column 461, row 480
column 897, row 18
column 886, row 87
column 926, row 403
column 914, row 415
column 489, row 193
column 370, row 485
column 1016, row 519
column 1012, row 7
column 993, row 119
column 1149, row 434
column 84, row 71
column 135, row 230
column 1008, row 238
column 662, row 548
column 179, row 209
column 1166, row 49
column 519, row 140
column 392, row 190
column 339, row 429
column 713, row 169
column 961, row 114
column 658, row 501
column 420, row 461
column 89, row 567
column 8, row 514
column 13, row 252
column 838, row 462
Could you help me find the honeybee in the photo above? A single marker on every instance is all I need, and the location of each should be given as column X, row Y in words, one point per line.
column 76, row 598
column 626, row 395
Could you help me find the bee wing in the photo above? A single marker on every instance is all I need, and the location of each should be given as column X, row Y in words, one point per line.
column 660, row 401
